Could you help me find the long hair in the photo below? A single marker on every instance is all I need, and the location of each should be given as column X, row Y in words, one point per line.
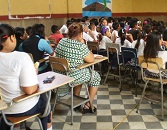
column 152, row 45
column 122, row 35
column 140, row 36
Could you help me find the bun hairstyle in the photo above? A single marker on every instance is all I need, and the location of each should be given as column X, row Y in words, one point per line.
column 5, row 32
column 74, row 30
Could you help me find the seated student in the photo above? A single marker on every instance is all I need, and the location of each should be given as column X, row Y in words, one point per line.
column 92, row 31
column 21, row 35
column 76, row 52
column 28, row 31
column 139, row 44
column 37, row 46
column 122, row 41
column 56, row 34
column 86, row 36
column 104, row 38
column 116, row 27
column 133, row 29
column 64, row 29
column 153, row 50
column 17, row 76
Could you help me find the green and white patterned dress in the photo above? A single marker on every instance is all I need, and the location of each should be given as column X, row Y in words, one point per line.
column 75, row 52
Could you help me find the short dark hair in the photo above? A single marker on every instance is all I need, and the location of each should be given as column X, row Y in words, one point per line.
column 19, row 31
column 54, row 28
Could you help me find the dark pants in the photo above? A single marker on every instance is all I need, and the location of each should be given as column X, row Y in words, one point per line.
column 38, row 108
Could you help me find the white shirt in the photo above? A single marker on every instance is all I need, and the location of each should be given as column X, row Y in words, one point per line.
column 140, row 48
column 16, row 70
column 127, row 43
column 95, row 34
column 113, row 34
column 163, row 55
column 87, row 37
column 63, row 29
column 103, row 42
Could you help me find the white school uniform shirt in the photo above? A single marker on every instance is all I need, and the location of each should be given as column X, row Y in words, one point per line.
column 114, row 33
column 17, row 69
column 63, row 29
column 127, row 43
column 103, row 42
column 95, row 34
column 87, row 37
column 140, row 48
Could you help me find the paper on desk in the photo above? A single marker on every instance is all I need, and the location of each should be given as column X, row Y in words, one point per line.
column 97, row 56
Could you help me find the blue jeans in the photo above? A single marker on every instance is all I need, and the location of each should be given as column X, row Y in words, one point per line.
column 38, row 108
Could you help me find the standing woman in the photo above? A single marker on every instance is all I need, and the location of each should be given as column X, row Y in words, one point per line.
column 18, row 76
column 76, row 52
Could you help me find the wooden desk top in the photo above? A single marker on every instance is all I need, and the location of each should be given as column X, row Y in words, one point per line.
column 3, row 105
column 59, row 80
column 96, row 60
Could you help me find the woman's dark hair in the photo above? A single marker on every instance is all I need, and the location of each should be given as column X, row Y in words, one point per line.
column 122, row 35
column 152, row 45
column 19, row 31
column 54, row 28
column 141, row 35
column 38, row 29
column 74, row 30
column 5, row 32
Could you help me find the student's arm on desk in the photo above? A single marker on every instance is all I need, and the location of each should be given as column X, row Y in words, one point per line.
column 89, row 58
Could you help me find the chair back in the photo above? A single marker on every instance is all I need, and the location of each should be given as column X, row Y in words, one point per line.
column 109, row 45
column 93, row 46
column 151, row 63
column 128, row 54
column 59, row 64
column 113, row 52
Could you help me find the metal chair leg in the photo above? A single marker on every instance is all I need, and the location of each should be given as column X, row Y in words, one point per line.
column 142, row 95
column 107, row 75
column 162, row 102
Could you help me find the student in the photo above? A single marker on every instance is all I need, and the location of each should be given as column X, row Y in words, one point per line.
column 92, row 32
column 76, row 52
column 28, row 31
column 21, row 35
column 105, row 38
column 139, row 44
column 153, row 50
column 17, row 76
column 133, row 29
column 37, row 46
column 56, row 34
column 122, row 39
column 64, row 28
column 116, row 27
column 86, row 36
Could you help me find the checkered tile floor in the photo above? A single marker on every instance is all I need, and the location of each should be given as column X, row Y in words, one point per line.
column 115, row 111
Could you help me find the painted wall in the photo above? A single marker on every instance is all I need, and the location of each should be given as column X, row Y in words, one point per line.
column 61, row 10
column 62, row 7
